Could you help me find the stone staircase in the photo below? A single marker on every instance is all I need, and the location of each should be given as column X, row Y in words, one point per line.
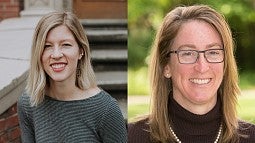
column 108, row 44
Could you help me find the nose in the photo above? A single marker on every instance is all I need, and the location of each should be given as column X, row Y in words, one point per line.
column 201, row 65
column 56, row 53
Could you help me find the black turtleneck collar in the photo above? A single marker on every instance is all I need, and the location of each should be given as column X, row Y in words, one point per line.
column 186, row 123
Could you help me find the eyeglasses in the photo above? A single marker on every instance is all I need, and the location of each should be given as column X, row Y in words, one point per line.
column 191, row 56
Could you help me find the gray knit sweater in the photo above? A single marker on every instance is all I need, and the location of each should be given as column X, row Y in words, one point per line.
column 92, row 120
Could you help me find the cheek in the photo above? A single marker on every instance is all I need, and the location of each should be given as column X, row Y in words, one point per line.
column 179, row 70
column 218, row 70
column 44, row 58
column 74, row 59
column 181, row 74
column 74, row 56
column 73, row 53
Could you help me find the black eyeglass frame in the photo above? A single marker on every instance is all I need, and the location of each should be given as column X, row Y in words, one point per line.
column 177, row 52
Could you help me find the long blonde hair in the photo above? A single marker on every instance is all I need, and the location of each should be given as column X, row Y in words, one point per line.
column 37, row 78
column 228, row 91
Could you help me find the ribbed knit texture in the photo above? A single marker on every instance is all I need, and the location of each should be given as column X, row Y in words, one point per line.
column 199, row 128
column 189, row 127
column 92, row 120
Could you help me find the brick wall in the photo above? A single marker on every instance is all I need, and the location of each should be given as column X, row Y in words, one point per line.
column 9, row 126
column 10, row 8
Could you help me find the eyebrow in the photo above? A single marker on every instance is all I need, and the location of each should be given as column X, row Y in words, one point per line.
column 193, row 46
column 68, row 40
column 61, row 41
column 214, row 44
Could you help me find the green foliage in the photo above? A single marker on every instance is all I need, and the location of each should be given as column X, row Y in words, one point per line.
column 145, row 16
column 247, row 80
column 138, row 82
column 136, row 110
column 246, row 108
column 138, row 47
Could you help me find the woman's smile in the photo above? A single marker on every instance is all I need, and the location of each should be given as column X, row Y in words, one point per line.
column 200, row 81
column 58, row 67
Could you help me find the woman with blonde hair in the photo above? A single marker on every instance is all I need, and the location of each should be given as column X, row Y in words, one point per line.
column 194, row 82
column 62, row 102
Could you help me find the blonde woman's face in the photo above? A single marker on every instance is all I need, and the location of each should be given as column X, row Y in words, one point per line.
column 61, row 54
column 195, row 85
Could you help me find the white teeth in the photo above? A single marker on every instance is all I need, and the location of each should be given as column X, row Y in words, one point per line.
column 200, row 81
column 56, row 66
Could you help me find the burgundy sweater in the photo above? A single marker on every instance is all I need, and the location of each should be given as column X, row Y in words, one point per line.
column 189, row 127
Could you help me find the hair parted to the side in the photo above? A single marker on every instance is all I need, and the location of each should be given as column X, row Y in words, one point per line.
column 37, row 78
column 159, row 117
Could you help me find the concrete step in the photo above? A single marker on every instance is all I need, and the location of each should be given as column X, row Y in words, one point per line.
column 104, row 23
column 107, row 35
column 114, row 80
column 109, row 66
column 108, row 42
column 114, row 45
column 105, row 30
column 113, row 60
column 109, row 55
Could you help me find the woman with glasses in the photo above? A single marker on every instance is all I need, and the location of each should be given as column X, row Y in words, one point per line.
column 62, row 102
column 194, row 82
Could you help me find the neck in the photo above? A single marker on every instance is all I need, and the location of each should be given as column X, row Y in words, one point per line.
column 67, row 92
column 185, row 121
column 62, row 91
column 196, row 108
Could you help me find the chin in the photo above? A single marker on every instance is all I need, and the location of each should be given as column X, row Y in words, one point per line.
column 202, row 98
column 57, row 79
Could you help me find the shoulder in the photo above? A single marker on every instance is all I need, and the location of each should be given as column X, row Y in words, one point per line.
column 24, row 98
column 24, row 108
column 24, row 102
column 247, row 131
column 108, row 106
column 139, row 131
column 105, row 98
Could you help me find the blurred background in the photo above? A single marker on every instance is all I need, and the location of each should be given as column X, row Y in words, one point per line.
column 144, row 18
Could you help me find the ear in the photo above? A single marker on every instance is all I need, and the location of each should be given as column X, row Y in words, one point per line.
column 167, row 71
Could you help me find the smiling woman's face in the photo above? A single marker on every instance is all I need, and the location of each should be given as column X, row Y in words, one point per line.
column 195, row 84
column 61, row 54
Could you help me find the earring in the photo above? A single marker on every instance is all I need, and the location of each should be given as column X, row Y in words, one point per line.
column 81, row 55
column 167, row 75
column 78, row 71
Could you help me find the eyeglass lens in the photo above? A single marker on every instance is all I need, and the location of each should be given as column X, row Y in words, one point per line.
column 191, row 56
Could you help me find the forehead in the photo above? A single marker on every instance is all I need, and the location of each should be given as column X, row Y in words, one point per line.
column 200, row 34
column 59, row 33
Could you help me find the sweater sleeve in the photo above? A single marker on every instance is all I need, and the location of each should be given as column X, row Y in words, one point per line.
column 112, row 128
column 25, row 119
